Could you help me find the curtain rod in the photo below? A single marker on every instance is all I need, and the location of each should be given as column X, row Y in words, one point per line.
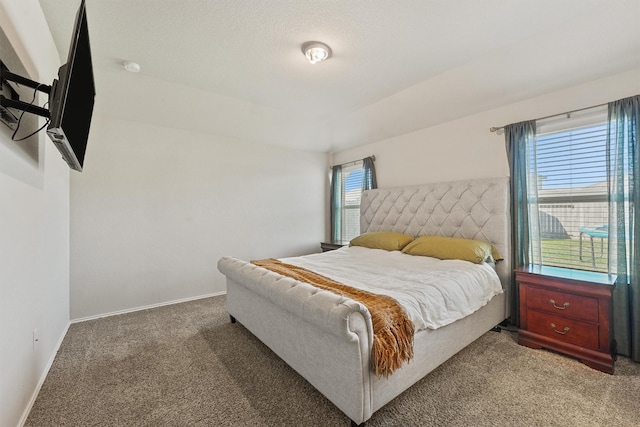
column 495, row 129
column 373, row 157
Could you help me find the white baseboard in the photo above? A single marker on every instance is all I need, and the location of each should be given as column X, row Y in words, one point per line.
column 146, row 307
column 34, row 396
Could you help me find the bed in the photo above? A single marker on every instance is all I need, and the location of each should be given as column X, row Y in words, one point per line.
column 327, row 338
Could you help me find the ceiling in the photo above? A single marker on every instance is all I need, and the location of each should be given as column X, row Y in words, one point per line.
column 234, row 68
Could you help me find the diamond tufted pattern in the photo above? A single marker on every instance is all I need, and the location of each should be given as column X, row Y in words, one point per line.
column 474, row 209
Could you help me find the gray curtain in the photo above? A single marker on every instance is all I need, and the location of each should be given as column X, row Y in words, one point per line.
column 336, row 203
column 623, row 170
column 519, row 140
column 369, row 174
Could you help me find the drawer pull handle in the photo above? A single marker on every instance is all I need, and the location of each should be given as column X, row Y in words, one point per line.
column 553, row 303
column 553, row 326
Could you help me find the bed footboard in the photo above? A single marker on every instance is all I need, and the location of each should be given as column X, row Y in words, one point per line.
column 330, row 349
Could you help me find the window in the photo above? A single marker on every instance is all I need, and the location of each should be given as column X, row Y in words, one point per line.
column 348, row 182
column 568, row 191
column 352, row 191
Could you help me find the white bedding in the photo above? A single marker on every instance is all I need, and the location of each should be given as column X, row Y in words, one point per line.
column 433, row 292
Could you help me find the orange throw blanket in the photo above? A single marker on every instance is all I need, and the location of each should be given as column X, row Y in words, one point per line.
column 392, row 329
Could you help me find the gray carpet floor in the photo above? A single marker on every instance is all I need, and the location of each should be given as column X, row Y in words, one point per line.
column 187, row 365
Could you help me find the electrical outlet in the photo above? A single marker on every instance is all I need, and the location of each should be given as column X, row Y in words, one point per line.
column 36, row 337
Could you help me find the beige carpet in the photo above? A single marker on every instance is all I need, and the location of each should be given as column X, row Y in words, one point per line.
column 186, row 365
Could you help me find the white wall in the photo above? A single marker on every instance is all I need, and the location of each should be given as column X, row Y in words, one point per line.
column 465, row 149
column 156, row 207
column 34, row 231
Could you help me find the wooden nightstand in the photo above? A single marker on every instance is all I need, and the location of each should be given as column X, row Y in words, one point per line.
column 330, row 246
column 569, row 311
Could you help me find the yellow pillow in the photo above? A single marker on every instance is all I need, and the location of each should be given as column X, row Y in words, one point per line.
column 387, row 240
column 496, row 255
column 440, row 247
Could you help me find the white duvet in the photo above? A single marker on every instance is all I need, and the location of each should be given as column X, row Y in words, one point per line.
column 433, row 292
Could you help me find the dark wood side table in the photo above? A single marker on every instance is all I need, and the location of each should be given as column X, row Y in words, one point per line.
column 330, row 246
column 569, row 311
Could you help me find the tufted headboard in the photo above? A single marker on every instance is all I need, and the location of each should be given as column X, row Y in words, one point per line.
column 477, row 209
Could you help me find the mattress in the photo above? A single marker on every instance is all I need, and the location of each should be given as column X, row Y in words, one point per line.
column 433, row 292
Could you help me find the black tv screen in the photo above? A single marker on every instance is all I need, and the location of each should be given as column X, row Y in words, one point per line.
column 72, row 97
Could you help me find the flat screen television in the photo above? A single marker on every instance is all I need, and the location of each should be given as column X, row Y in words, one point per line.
column 72, row 97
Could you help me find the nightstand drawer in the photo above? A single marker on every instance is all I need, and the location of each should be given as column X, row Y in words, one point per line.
column 563, row 304
column 563, row 329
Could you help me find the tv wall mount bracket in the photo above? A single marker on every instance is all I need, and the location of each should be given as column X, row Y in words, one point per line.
column 20, row 105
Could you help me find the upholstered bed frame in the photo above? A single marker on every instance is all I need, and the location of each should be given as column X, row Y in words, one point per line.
column 328, row 338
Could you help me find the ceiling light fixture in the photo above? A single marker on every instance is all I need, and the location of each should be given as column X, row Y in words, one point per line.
column 316, row 51
column 130, row 66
